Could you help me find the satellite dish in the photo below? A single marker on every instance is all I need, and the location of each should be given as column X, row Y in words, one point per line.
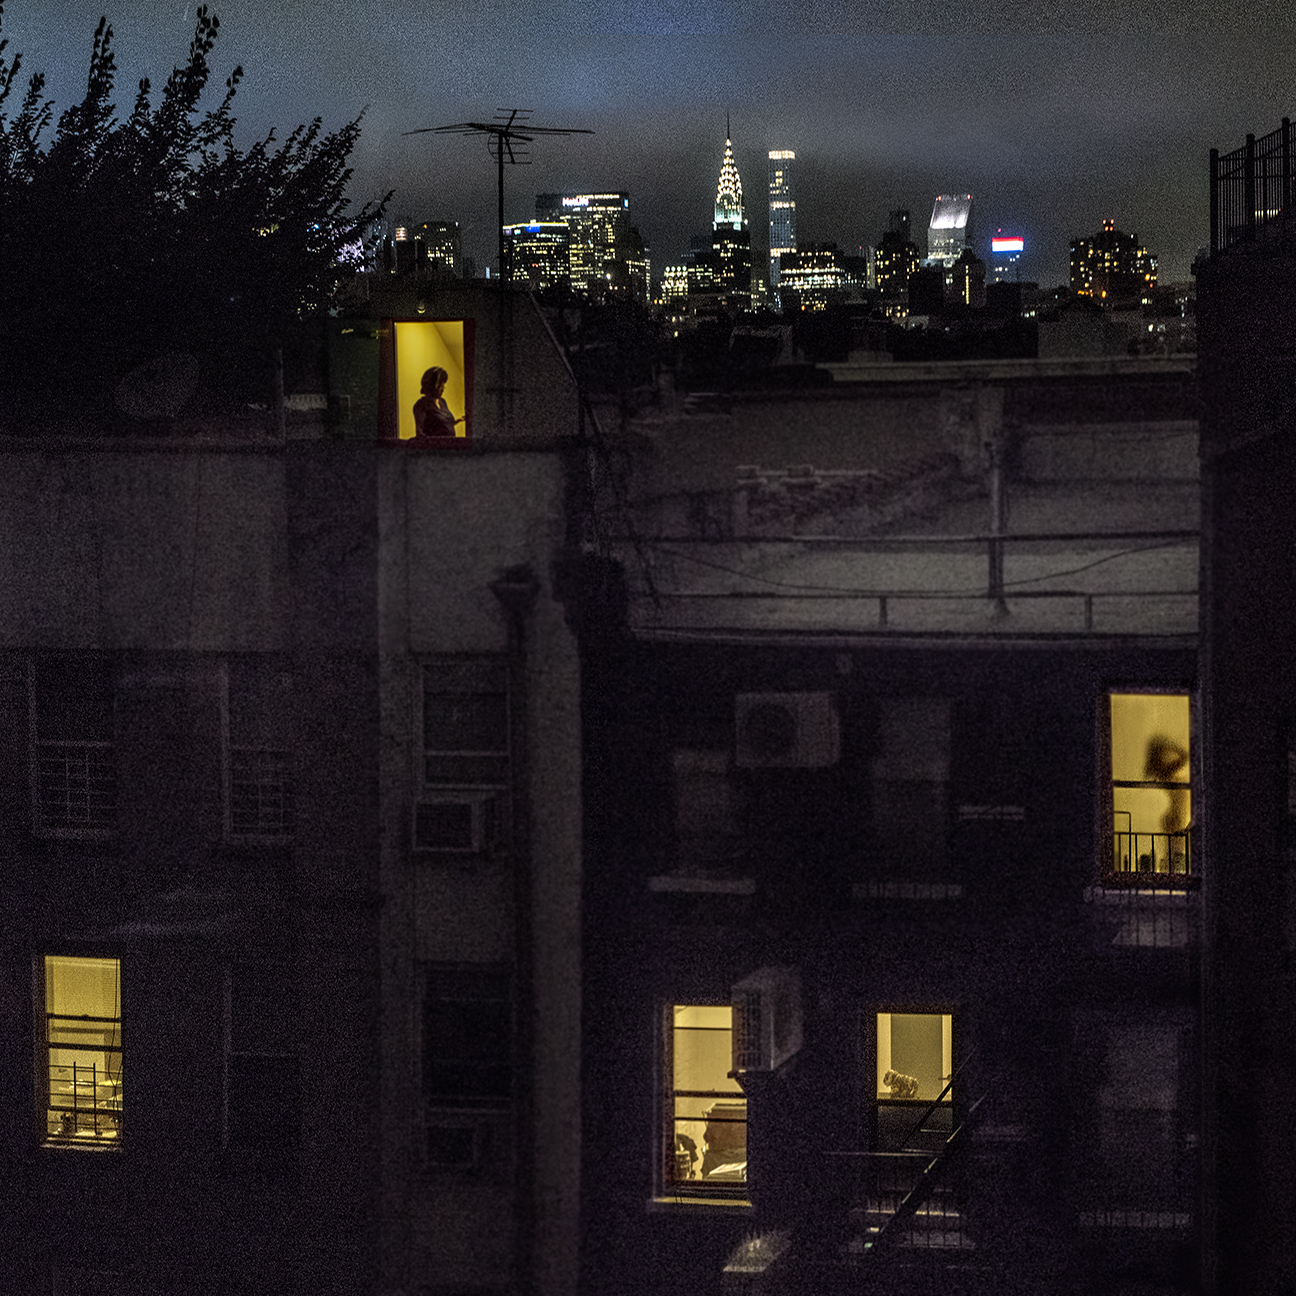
column 160, row 388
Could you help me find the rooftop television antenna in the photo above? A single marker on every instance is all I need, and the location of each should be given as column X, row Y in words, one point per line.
column 506, row 140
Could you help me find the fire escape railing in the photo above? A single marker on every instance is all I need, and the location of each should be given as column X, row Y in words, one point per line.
column 928, row 1180
column 1250, row 187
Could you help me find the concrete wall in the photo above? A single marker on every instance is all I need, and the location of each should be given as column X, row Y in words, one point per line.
column 451, row 526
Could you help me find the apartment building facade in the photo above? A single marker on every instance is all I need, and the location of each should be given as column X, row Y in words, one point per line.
column 292, row 833
column 891, row 926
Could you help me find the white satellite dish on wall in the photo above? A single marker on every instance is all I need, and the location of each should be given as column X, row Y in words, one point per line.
column 160, row 388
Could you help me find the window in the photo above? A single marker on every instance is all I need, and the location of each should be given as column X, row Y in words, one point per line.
column 914, row 1066
column 708, row 818
column 259, row 783
column 262, row 1067
column 1151, row 785
column 81, row 1075
column 408, row 350
column 910, row 774
column 74, row 778
column 707, row 1137
column 914, row 1056
column 1138, row 1110
column 463, row 806
column 467, row 1038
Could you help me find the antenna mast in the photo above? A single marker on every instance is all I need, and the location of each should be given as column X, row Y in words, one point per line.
column 506, row 137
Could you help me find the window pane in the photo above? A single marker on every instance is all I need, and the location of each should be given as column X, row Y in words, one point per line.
column 914, row 1055
column 73, row 700
column 709, row 1111
column 83, row 1049
column 467, row 1037
column 461, row 722
column 261, row 793
column 1151, row 796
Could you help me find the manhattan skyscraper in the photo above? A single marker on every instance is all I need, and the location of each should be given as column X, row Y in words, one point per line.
column 730, row 238
column 782, row 210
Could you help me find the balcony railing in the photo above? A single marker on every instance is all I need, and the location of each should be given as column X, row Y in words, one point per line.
column 1150, row 852
column 1250, row 187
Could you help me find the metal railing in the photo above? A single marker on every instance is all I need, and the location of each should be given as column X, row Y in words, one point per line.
column 972, row 586
column 84, row 1102
column 1168, row 853
column 1250, row 187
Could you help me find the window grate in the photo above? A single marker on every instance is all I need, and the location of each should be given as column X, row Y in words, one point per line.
column 76, row 786
column 261, row 793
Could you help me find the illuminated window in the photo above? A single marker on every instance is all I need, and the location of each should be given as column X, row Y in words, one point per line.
column 707, row 1139
column 914, row 1057
column 259, row 782
column 411, row 350
column 262, row 1067
column 74, row 780
column 1151, row 784
column 81, row 1076
column 462, row 808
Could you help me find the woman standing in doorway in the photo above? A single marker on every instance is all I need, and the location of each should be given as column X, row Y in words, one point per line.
column 433, row 420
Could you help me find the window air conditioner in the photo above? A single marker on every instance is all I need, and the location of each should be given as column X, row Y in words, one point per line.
column 456, row 821
column 786, row 729
column 766, row 1019
column 457, row 1144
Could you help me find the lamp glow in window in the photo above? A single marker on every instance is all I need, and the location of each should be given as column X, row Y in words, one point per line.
column 709, row 1110
column 914, row 1056
column 428, row 408
column 83, row 1050
column 1151, row 783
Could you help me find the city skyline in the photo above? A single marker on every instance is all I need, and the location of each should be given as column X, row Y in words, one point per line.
column 1106, row 115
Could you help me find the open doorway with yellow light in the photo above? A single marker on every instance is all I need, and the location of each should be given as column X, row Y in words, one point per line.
column 426, row 380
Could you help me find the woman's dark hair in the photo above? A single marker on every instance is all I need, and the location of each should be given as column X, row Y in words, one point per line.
column 431, row 377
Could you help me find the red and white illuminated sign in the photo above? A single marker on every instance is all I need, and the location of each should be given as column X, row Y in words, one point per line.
column 1006, row 244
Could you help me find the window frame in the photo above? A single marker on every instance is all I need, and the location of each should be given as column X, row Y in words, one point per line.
column 477, row 779
column 69, row 831
column 288, row 782
column 1108, row 874
column 391, row 398
column 266, row 1154
column 904, row 725
column 944, row 1013
column 485, row 1116
column 669, row 1188
column 42, row 1064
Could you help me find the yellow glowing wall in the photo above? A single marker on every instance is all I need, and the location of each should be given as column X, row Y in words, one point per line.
column 920, row 1045
column 1137, row 721
column 422, row 345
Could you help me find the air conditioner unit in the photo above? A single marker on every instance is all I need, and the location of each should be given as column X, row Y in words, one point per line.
column 457, row 1144
column 786, row 729
column 766, row 1019
column 456, row 821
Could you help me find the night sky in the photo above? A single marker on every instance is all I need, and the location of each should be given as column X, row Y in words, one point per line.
column 1053, row 116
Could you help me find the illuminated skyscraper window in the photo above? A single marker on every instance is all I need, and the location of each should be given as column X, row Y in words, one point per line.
column 606, row 252
column 538, row 253
column 947, row 233
column 1005, row 253
column 782, row 209
column 729, row 203
column 1112, row 267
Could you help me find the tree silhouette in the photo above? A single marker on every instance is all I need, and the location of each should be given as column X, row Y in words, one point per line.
column 123, row 239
